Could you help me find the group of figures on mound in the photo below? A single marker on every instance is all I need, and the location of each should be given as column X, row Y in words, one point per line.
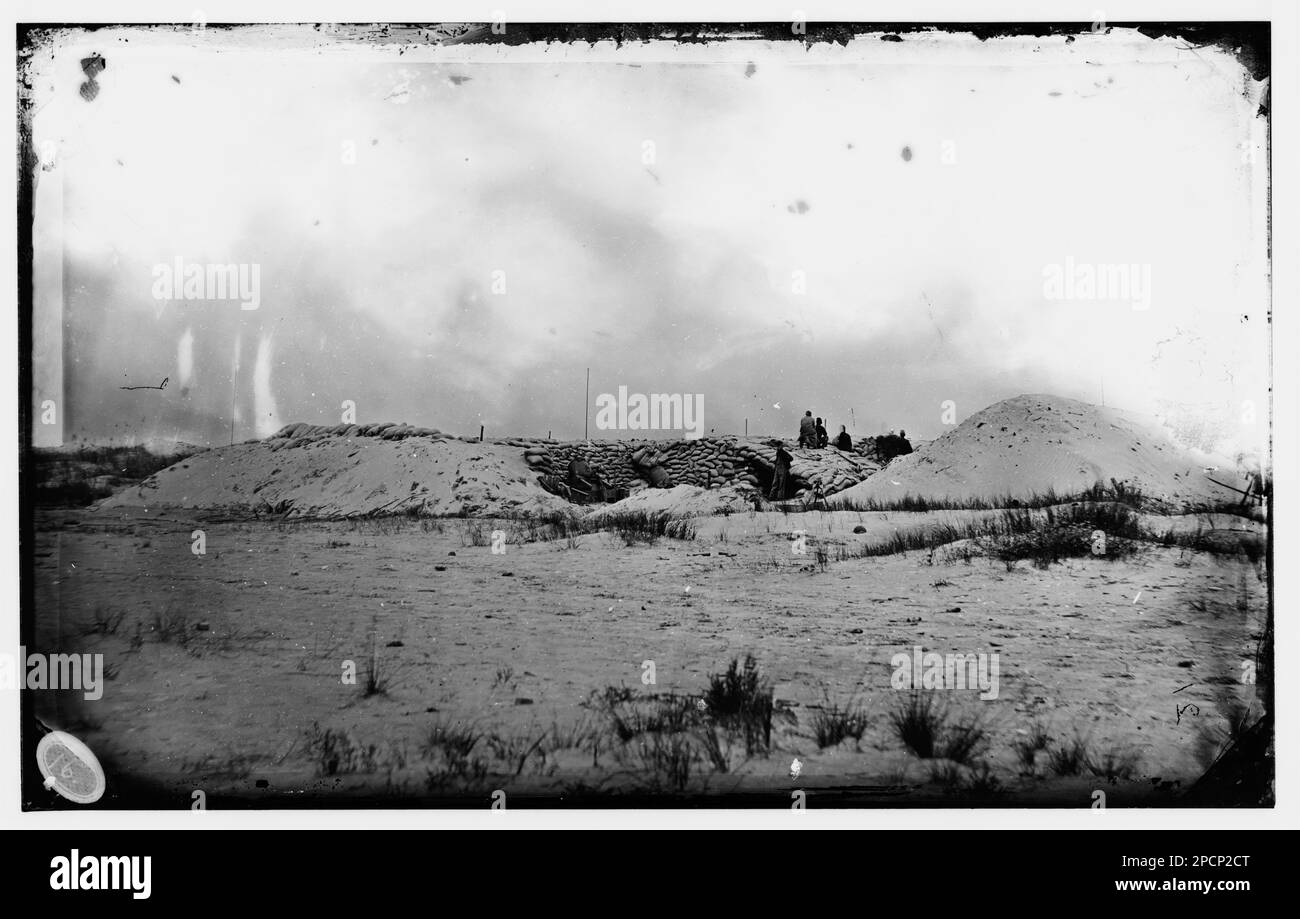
column 813, row 435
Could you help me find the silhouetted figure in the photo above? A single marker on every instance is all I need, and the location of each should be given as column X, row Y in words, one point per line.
column 891, row 445
column 582, row 481
column 822, row 437
column 780, row 474
column 807, row 430
column 844, row 441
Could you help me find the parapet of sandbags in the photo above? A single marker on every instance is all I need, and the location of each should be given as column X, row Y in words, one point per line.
column 711, row 462
column 706, row 462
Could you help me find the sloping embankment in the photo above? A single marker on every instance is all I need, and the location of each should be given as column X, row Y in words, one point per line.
column 359, row 470
column 1029, row 446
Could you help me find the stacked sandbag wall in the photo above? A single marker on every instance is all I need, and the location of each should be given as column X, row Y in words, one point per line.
column 709, row 462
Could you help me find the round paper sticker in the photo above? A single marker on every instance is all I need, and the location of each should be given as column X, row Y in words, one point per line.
column 70, row 768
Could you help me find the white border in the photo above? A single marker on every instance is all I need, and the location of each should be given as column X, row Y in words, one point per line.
column 1285, row 17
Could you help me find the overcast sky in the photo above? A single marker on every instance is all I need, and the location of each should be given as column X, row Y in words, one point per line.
column 653, row 212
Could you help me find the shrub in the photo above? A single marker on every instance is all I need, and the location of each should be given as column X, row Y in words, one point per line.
column 645, row 527
column 741, row 700
column 834, row 722
column 172, row 625
column 918, row 722
column 376, row 680
column 1028, row 747
column 962, row 741
column 456, row 739
column 667, row 759
column 1114, row 765
column 338, row 752
column 105, row 622
column 1070, row 758
column 923, row 724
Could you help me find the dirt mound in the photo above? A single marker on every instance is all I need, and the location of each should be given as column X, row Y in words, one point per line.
column 324, row 474
column 1031, row 445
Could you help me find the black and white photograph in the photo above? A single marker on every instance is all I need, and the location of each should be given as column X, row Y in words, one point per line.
column 547, row 415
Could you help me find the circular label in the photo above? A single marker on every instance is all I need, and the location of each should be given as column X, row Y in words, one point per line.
column 70, row 768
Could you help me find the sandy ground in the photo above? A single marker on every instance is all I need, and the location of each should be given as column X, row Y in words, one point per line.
column 513, row 644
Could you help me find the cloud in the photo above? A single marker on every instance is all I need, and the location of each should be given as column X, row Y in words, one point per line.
column 752, row 234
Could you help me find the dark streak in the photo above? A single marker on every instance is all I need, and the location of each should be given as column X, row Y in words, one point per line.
column 1248, row 42
column 162, row 385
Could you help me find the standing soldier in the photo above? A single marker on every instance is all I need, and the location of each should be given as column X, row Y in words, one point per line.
column 781, row 474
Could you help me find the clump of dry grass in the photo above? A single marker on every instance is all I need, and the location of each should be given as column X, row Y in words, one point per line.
column 741, row 699
column 834, row 722
column 338, row 752
column 926, row 726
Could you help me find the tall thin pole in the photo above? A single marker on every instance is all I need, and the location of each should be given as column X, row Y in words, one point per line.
column 586, row 407
column 234, row 389
column 234, row 382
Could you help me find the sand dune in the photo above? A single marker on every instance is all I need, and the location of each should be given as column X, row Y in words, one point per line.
column 348, row 476
column 1031, row 444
